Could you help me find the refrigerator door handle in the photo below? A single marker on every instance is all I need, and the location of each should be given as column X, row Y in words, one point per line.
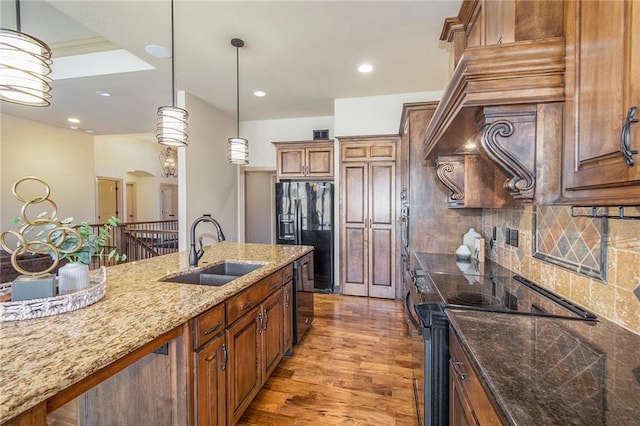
column 298, row 222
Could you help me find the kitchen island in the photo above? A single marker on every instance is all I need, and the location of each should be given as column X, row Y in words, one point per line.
column 548, row 371
column 42, row 358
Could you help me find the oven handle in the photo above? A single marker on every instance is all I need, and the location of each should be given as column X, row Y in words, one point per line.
column 410, row 311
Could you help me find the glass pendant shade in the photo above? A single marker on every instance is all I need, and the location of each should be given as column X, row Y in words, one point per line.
column 171, row 126
column 25, row 65
column 238, row 151
column 169, row 162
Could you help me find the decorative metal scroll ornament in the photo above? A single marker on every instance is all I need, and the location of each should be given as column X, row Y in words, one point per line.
column 50, row 233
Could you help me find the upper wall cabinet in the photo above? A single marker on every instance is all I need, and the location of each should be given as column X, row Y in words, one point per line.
column 304, row 160
column 601, row 137
column 506, row 91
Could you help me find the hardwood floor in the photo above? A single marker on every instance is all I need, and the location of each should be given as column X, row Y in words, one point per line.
column 352, row 368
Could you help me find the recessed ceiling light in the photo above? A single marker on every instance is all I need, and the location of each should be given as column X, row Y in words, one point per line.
column 73, row 120
column 103, row 93
column 89, row 131
column 259, row 93
column 365, row 68
column 73, row 127
column 158, row 51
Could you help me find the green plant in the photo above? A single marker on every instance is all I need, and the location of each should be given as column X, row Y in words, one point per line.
column 69, row 245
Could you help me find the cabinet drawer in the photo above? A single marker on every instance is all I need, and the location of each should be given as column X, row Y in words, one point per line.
column 287, row 273
column 208, row 325
column 253, row 296
column 482, row 407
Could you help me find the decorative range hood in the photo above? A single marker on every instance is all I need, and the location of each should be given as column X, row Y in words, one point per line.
column 509, row 96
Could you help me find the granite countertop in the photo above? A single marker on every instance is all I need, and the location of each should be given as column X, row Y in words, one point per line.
column 547, row 371
column 41, row 357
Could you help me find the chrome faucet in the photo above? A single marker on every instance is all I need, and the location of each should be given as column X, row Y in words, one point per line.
column 194, row 256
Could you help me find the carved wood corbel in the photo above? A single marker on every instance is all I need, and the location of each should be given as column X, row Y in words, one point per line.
column 450, row 171
column 509, row 142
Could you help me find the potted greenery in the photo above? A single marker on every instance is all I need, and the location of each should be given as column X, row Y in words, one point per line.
column 74, row 275
column 78, row 247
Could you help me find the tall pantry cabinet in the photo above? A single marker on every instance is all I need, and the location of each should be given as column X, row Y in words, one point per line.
column 368, row 215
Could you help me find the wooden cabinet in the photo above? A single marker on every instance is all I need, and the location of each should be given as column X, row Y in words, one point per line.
column 211, row 382
column 287, row 317
column 367, row 218
column 309, row 159
column 602, row 87
column 210, row 367
column 272, row 333
column 255, row 341
column 245, row 371
column 469, row 403
column 472, row 182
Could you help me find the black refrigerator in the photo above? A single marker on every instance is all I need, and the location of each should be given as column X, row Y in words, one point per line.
column 304, row 216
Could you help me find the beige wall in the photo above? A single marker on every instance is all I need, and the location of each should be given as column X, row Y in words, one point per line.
column 614, row 300
column 208, row 183
column 62, row 157
column 118, row 155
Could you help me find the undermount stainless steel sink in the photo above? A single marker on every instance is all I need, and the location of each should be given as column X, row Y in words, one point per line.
column 232, row 268
column 215, row 275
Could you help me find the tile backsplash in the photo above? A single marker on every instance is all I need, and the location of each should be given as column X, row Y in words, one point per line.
column 617, row 298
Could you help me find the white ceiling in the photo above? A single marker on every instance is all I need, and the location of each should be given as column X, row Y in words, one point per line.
column 303, row 54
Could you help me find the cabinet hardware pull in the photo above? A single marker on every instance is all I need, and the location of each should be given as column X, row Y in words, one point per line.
column 273, row 286
column 259, row 321
column 225, row 356
column 266, row 320
column 456, row 367
column 246, row 305
column 287, row 298
column 625, row 137
column 212, row 329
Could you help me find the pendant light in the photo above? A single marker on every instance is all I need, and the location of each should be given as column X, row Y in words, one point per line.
column 238, row 148
column 171, row 125
column 25, row 65
column 169, row 162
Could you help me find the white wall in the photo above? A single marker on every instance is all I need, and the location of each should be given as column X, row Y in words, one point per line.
column 374, row 115
column 207, row 182
column 261, row 133
column 62, row 157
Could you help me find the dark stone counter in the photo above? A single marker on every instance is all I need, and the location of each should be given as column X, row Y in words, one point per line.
column 544, row 371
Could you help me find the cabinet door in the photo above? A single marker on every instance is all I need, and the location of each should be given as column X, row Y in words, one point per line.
column 382, row 230
column 460, row 411
column 272, row 326
column 319, row 162
column 211, row 390
column 244, row 365
column 601, row 87
column 291, row 162
column 287, row 317
column 355, row 217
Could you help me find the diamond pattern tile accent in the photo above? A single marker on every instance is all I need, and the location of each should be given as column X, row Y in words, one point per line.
column 577, row 243
column 636, row 293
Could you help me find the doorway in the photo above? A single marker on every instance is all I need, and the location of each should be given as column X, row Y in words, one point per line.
column 132, row 208
column 259, row 207
column 169, row 197
column 109, row 198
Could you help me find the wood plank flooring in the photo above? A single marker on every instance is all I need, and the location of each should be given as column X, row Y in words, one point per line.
column 352, row 368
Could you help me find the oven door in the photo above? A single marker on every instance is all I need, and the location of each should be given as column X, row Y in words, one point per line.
column 417, row 356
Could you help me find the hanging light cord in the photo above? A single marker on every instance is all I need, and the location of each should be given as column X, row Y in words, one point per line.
column 173, row 75
column 18, row 24
column 237, row 93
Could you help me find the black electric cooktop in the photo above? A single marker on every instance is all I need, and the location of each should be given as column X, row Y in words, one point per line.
column 486, row 286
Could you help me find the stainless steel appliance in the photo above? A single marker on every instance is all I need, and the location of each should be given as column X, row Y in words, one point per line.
column 448, row 284
column 304, row 216
column 302, row 296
